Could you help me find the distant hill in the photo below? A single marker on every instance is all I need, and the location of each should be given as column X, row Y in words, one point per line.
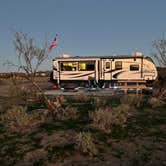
column 38, row 74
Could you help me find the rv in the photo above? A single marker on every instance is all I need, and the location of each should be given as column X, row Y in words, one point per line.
column 134, row 70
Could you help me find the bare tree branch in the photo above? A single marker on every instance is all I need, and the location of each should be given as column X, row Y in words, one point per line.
column 160, row 54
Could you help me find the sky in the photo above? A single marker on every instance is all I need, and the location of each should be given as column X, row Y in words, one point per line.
column 84, row 27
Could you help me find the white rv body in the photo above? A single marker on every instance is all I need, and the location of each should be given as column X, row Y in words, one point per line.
column 103, row 69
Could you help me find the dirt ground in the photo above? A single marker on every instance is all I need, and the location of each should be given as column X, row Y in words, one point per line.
column 53, row 142
column 7, row 84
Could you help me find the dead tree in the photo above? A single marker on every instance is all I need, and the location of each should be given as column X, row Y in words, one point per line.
column 160, row 51
column 30, row 57
column 160, row 57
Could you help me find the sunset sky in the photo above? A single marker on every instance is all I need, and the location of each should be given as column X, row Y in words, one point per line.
column 84, row 27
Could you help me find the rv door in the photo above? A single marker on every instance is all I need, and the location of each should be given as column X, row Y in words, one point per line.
column 106, row 69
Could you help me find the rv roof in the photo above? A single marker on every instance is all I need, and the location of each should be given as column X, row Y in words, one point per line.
column 103, row 57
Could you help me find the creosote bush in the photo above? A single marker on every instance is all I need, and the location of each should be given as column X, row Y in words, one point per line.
column 16, row 119
column 86, row 143
column 105, row 118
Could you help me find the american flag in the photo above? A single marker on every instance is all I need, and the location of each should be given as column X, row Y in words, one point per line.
column 53, row 44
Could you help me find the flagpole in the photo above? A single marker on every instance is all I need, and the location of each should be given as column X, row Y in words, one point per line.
column 58, row 50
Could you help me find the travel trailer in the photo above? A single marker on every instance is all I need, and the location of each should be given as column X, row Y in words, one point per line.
column 104, row 71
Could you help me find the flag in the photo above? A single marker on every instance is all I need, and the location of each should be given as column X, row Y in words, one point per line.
column 53, row 44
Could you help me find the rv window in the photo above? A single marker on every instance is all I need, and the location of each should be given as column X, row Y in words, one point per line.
column 118, row 65
column 86, row 66
column 134, row 67
column 107, row 65
column 68, row 66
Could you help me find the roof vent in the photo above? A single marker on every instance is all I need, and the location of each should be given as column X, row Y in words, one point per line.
column 64, row 56
column 137, row 54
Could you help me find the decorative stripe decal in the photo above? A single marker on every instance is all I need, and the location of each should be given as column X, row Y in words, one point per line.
column 77, row 75
column 109, row 71
column 116, row 75
column 84, row 75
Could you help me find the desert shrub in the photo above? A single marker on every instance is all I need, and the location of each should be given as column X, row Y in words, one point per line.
column 163, row 94
column 16, row 119
column 131, row 100
column 155, row 102
column 121, row 114
column 54, row 105
column 71, row 113
column 58, row 101
column 39, row 115
column 98, row 102
column 102, row 118
column 81, row 97
column 105, row 118
column 16, row 93
column 86, row 143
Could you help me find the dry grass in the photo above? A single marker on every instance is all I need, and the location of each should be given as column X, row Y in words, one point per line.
column 131, row 100
column 62, row 142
